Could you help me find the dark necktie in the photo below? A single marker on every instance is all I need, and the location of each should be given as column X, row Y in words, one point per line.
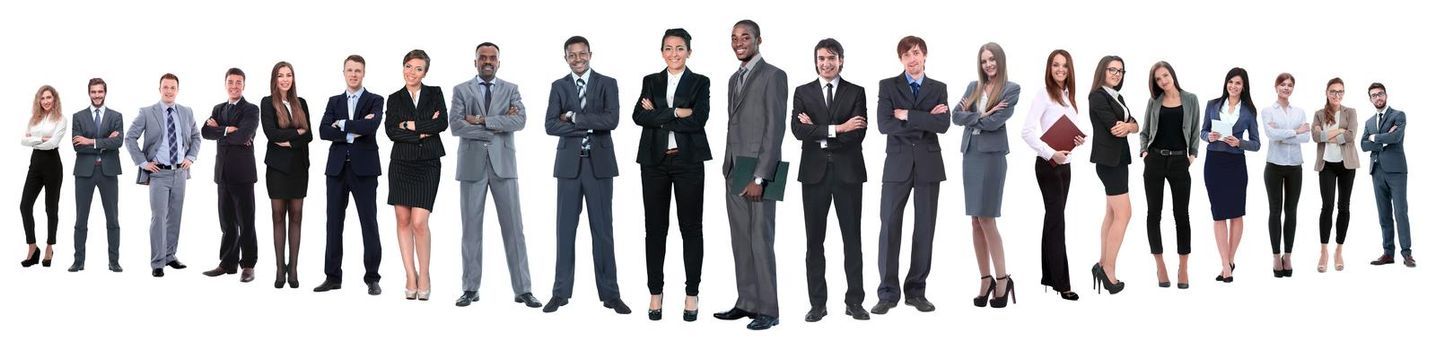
column 99, row 122
column 915, row 88
column 583, row 100
column 829, row 101
column 171, row 135
column 488, row 96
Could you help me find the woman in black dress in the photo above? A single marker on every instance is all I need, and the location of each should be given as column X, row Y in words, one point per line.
column 416, row 116
column 285, row 118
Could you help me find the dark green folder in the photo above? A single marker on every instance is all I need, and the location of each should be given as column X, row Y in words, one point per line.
column 742, row 175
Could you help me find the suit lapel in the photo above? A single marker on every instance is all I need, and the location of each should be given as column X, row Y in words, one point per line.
column 747, row 82
column 684, row 88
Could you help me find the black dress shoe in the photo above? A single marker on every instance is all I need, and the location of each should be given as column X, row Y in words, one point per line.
column 176, row 265
column 762, row 322
column 856, row 311
column 529, row 300
column 554, row 303
column 216, row 272
column 76, row 267
column 116, row 267
column 734, row 314
column 374, row 288
column 160, row 272
column 328, row 285
column 246, row 275
column 920, row 303
column 618, row 306
column 816, row 314
column 883, row 306
column 467, row 298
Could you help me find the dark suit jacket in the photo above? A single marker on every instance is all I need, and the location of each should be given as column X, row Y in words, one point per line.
column 407, row 143
column 913, row 149
column 106, row 149
column 294, row 158
column 363, row 154
column 1105, row 112
column 1387, row 151
column 692, row 92
column 845, row 149
column 600, row 115
column 234, row 158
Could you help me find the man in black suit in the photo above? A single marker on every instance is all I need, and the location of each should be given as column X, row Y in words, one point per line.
column 829, row 117
column 912, row 110
column 98, row 133
column 350, row 121
column 232, row 125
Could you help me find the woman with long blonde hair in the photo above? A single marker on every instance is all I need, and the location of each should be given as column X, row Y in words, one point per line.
column 44, row 133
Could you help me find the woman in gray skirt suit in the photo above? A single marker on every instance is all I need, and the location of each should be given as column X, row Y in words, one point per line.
column 983, row 114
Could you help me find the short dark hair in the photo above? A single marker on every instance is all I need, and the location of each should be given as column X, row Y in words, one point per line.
column 576, row 39
column 678, row 33
column 98, row 81
column 831, row 45
column 489, row 44
column 752, row 26
column 908, row 42
column 1375, row 86
column 417, row 54
column 235, row 71
column 356, row 59
column 169, row 76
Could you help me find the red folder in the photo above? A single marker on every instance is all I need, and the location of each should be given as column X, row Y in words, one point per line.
column 1060, row 136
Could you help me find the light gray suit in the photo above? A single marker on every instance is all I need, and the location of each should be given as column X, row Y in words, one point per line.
column 486, row 163
column 167, row 186
column 97, row 166
column 756, row 111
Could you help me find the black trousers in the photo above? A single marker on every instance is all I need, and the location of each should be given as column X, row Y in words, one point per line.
column 46, row 172
column 1334, row 178
column 1283, row 191
column 338, row 189
column 663, row 183
column 1173, row 170
column 847, row 199
column 236, row 220
column 1054, row 182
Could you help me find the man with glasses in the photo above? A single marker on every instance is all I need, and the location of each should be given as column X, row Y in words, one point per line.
column 1383, row 137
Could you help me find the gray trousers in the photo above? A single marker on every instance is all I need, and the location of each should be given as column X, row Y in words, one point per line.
column 472, row 197
column 752, row 225
column 166, row 208
column 572, row 196
column 109, row 199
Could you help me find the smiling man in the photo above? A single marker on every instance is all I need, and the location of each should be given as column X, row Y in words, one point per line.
column 171, row 145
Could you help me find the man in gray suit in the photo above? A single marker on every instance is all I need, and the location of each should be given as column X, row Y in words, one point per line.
column 171, row 147
column 484, row 114
column 757, row 105
column 582, row 110
column 97, row 144
column 1384, row 137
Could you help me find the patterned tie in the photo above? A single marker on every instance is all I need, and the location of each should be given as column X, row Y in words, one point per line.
column 582, row 101
column 915, row 88
column 171, row 135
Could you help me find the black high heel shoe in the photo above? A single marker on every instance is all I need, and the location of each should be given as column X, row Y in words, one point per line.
column 981, row 300
column 293, row 276
column 691, row 315
column 1100, row 275
column 279, row 276
column 1001, row 302
column 656, row 314
column 46, row 262
column 34, row 259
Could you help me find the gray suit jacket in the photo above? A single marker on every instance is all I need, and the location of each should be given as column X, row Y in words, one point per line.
column 1387, row 151
column 151, row 124
column 986, row 135
column 1191, row 122
column 755, row 119
column 495, row 137
column 599, row 115
column 106, row 149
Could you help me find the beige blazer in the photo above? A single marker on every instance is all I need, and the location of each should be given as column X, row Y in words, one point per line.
column 1346, row 140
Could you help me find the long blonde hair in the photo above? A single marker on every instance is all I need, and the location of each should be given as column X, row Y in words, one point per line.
column 998, row 83
column 38, row 112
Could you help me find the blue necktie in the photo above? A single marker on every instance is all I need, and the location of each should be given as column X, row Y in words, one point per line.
column 915, row 88
column 99, row 122
column 171, row 135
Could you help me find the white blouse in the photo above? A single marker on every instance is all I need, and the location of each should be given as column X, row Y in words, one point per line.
column 55, row 128
column 1041, row 116
column 1333, row 149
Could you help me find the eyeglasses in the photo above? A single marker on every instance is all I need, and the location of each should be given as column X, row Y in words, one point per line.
column 1378, row 94
column 1336, row 92
column 1115, row 70
column 582, row 55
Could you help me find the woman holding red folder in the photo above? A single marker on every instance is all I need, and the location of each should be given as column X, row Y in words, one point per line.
column 1053, row 165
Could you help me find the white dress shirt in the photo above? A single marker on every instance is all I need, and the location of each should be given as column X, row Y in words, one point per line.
column 673, row 89
column 1043, row 114
column 55, row 128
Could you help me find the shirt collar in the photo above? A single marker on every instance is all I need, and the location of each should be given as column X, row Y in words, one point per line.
column 910, row 80
column 752, row 62
column 585, row 76
column 836, row 81
column 354, row 93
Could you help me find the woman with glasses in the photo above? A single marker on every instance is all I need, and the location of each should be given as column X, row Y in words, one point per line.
column 1230, row 127
column 1333, row 128
column 1112, row 121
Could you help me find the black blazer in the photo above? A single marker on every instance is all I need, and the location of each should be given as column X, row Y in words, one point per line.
column 363, row 154
column 913, row 149
column 1105, row 112
column 844, row 150
column 692, row 92
column 294, row 158
column 407, row 143
column 234, row 158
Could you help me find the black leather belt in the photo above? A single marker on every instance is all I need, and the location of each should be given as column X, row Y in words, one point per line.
column 164, row 167
column 1168, row 153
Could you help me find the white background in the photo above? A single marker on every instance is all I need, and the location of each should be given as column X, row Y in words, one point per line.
column 63, row 43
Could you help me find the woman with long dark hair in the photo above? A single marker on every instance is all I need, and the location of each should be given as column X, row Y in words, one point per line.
column 1112, row 121
column 285, row 118
column 1169, row 146
column 1230, row 127
column 1333, row 128
column 1054, row 167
